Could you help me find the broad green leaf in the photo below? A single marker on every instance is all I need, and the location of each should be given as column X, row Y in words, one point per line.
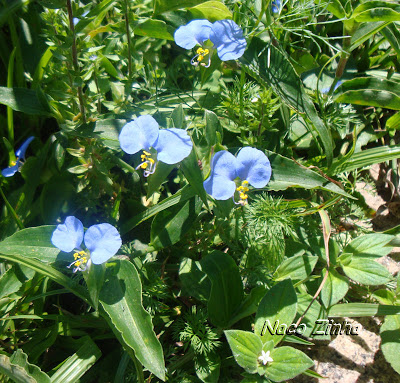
column 33, row 242
column 194, row 175
column 371, row 11
column 311, row 325
column 334, row 289
column 108, row 131
column 296, row 268
column 288, row 363
column 180, row 196
column 77, row 364
column 392, row 35
column 39, row 72
column 178, row 117
column 367, row 272
column 109, row 67
column 390, row 335
column 194, row 280
column 158, row 177
column 370, row 91
column 24, row 100
column 226, row 287
column 121, row 298
column 13, row 279
column 169, row 226
column 288, row 174
column 249, row 305
column 212, row 126
column 384, row 297
column 161, row 6
column 50, row 272
column 365, row 32
column 157, row 29
column 355, row 310
column 366, row 157
column 41, row 340
column 279, row 305
column 19, row 370
column 207, row 367
column 246, row 348
column 211, row 10
column 333, row 6
column 370, row 245
column 269, row 66
column 393, row 122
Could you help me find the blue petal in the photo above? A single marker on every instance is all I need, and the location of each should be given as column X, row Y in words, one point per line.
column 227, row 36
column 141, row 133
column 20, row 153
column 173, row 145
column 193, row 33
column 253, row 166
column 221, row 184
column 11, row 170
column 275, row 5
column 69, row 235
column 103, row 241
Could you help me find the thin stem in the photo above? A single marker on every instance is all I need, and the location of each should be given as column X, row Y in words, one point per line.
column 75, row 58
column 128, row 36
column 242, row 81
column 12, row 211
column 139, row 369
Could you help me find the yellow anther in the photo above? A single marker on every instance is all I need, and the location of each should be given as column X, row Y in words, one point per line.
column 201, row 53
column 80, row 261
column 147, row 164
column 144, row 165
column 146, row 153
column 151, row 160
column 245, row 182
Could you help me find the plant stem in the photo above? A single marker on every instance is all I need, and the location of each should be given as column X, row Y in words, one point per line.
column 128, row 36
column 75, row 58
column 12, row 211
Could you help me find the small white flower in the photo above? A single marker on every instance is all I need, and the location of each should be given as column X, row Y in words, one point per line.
column 264, row 358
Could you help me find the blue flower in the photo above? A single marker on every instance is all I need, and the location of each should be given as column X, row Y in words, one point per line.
column 326, row 90
column 102, row 242
column 166, row 145
column 251, row 166
column 225, row 35
column 20, row 154
column 275, row 6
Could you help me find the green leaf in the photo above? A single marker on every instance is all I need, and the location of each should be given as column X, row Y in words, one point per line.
column 370, row 245
column 169, row 226
column 212, row 127
column 288, row 174
column 370, row 91
column 180, row 196
column 296, row 268
column 366, row 157
column 24, row 100
column 13, row 279
column 121, row 299
column 365, row 32
column 210, row 10
column 193, row 174
column 178, row 117
column 390, row 335
column 33, row 242
column 246, row 348
column 367, row 272
column 77, row 364
column 334, row 289
column 270, row 67
column 158, row 177
column 355, row 310
column 161, row 6
column 279, row 305
column 333, row 6
column 108, row 131
column 207, row 367
column 194, row 280
column 288, row 363
column 17, row 368
column 371, row 11
column 226, row 287
column 157, row 29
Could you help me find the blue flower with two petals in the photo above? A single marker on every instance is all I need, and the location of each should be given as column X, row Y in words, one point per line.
column 225, row 35
column 166, row 145
column 102, row 241
column 20, row 154
column 251, row 166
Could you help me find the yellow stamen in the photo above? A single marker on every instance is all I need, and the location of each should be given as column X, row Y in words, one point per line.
column 144, row 165
column 243, row 189
column 148, row 163
column 13, row 163
column 80, row 261
column 201, row 54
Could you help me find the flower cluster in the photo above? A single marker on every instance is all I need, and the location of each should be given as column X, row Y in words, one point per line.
column 20, row 154
column 166, row 145
column 251, row 166
column 225, row 36
column 102, row 242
